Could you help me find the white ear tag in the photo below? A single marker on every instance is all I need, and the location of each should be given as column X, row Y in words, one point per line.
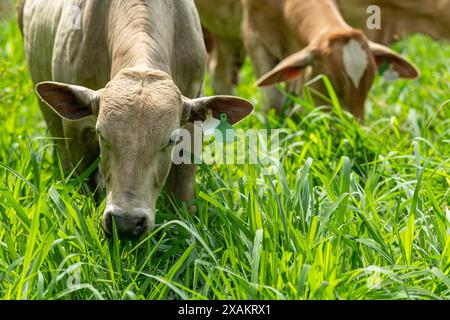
column 209, row 124
column 390, row 75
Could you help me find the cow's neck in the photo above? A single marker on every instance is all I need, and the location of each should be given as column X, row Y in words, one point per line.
column 312, row 18
column 130, row 38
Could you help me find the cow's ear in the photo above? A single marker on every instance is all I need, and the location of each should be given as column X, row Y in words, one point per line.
column 235, row 108
column 383, row 54
column 288, row 69
column 69, row 101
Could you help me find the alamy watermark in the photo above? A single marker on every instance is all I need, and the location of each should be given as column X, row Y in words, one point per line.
column 73, row 17
column 251, row 146
column 374, row 20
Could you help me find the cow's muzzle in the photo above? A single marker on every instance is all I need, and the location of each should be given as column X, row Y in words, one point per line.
column 128, row 223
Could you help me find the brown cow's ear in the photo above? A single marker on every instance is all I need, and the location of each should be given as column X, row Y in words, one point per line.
column 235, row 108
column 383, row 54
column 288, row 69
column 68, row 101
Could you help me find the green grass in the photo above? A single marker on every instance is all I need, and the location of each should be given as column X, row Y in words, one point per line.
column 354, row 211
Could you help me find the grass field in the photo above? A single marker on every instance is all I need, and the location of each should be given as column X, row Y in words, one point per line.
column 354, row 212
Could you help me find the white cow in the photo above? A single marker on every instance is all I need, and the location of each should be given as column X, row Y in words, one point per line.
column 116, row 78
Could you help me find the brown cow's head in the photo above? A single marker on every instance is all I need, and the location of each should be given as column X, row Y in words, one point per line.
column 348, row 59
column 137, row 113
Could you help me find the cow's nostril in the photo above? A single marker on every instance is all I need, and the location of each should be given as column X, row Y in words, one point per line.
column 141, row 227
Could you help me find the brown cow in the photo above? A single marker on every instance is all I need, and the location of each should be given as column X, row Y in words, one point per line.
column 399, row 18
column 289, row 39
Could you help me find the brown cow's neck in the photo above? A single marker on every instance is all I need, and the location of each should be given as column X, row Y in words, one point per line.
column 308, row 19
column 129, row 39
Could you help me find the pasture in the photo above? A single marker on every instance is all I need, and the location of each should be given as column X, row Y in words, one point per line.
column 355, row 211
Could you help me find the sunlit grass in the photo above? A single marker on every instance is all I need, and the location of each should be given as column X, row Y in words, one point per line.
column 354, row 211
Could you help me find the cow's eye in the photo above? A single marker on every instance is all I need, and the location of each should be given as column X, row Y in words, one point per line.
column 173, row 141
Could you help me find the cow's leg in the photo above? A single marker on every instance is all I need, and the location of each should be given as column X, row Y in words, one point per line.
column 263, row 62
column 238, row 61
column 55, row 128
column 227, row 59
column 181, row 179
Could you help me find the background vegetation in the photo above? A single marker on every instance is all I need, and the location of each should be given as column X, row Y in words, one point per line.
column 354, row 211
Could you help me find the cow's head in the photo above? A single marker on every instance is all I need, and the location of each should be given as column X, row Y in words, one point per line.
column 349, row 60
column 137, row 113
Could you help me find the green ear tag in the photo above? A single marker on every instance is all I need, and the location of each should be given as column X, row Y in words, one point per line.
column 224, row 131
column 384, row 66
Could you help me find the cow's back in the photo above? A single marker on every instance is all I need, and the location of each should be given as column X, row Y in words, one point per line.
column 70, row 41
column 189, row 56
column 62, row 43
column 400, row 18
